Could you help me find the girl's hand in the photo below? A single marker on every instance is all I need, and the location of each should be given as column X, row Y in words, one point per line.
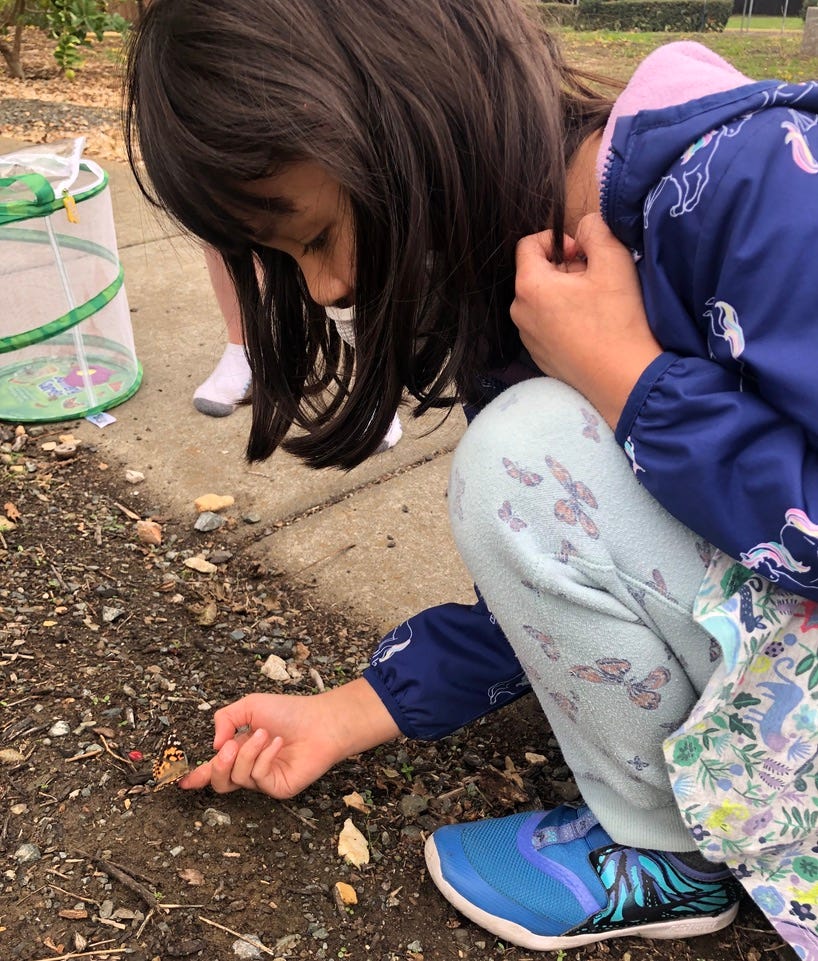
column 583, row 322
column 279, row 744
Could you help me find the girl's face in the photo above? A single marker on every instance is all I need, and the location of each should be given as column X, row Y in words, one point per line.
column 304, row 213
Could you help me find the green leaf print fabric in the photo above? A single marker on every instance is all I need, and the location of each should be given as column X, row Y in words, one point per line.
column 744, row 766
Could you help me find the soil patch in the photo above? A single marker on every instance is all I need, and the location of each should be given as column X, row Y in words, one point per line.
column 108, row 644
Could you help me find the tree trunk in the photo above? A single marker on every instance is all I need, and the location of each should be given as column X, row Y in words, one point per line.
column 11, row 52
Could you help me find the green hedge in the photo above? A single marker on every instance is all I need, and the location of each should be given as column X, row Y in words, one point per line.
column 672, row 16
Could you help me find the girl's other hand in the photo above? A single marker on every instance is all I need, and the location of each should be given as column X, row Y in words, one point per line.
column 280, row 743
column 583, row 321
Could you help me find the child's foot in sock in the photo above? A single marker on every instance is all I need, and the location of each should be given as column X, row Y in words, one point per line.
column 227, row 386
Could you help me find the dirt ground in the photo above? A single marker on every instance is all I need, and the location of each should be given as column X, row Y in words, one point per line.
column 108, row 643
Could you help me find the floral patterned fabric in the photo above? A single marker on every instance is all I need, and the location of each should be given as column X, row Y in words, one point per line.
column 744, row 766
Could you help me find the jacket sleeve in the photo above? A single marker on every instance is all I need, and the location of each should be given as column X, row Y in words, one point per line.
column 445, row 667
column 723, row 427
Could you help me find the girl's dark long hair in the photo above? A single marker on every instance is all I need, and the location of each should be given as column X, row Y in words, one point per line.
column 448, row 124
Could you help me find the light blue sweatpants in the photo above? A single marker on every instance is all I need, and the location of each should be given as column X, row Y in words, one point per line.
column 593, row 584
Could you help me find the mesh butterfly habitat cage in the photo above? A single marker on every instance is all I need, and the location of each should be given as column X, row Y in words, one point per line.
column 66, row 341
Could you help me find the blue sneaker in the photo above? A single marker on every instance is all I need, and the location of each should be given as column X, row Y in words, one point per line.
column 551, row 880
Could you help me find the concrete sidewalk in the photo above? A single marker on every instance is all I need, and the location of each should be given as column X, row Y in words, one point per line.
column 374, row 541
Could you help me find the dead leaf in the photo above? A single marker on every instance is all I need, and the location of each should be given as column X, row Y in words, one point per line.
column 11, row 511
column 10, row 757
column 300, row 651
column 191, row 876
column 356, row 802
column 201, row 565
column 208, row 614
column 352, row 845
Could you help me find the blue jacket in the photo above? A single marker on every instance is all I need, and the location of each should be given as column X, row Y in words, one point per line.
column 718, row 199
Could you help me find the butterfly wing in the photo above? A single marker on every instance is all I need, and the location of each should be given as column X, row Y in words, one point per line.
column 558, row 471
column 588, row 525
column 614, row 668
column 171, row 765
column 584, row 493
column 563, row 511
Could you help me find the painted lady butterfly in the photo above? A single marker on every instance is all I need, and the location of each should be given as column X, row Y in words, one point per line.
column 171, row 765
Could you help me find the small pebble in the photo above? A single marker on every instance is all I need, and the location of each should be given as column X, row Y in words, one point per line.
column 59, row 729
column 27, row 853
column 243, row 949
column 209, row 521
column 216, row 819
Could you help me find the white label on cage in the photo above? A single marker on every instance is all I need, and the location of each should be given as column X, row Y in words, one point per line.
column 102, row 419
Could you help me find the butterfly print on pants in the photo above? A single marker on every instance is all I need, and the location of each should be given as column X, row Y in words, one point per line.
column 591, row 424
column 507, row 515
column 613, row 670
column 570, row 510
column 526, row 477
column 546, row 643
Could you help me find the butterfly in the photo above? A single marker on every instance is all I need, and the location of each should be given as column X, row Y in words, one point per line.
column 526, row 477
column 591, row 423
column 172, row 764
column 505, row 513
column 546, row 643
column 613, row 670
column 570, row 510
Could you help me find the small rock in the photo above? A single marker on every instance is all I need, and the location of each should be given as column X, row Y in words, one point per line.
column 346, row 893
column 219, row 557
column 247, row 949
column 209, row 521
column 149, row 532
column 411, row 805
column 415, row 947
column 216, row 819
column 134, row 476
column 110, row 614
column 48, row 446
column 201, row 565
column 213, row 502
column 237, row 635
column 106, row 909
column 27, row 853
column 566, row 790
column 65, row 451
column 275, row 668
column 252, row 518
column 59, row 729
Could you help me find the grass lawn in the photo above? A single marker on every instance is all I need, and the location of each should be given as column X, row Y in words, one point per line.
column 770, row 23
column 756, row 53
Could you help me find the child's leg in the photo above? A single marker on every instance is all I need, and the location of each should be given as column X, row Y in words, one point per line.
column 593, row 584
column 228, row 384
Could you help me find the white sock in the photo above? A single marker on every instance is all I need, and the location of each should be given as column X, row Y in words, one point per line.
column 392, row 436
column 227, row 386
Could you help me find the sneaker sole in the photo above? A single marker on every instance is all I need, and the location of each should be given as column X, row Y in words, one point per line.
column 515, row 934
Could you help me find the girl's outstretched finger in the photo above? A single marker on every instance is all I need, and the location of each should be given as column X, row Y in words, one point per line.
column 198, row 778
column 221, row 768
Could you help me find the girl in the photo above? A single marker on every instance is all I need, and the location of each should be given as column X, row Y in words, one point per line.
column 444, row 132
